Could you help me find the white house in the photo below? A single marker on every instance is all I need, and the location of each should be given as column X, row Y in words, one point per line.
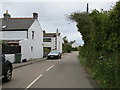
column 23, row 32
column 52, row 41
column 75, row 45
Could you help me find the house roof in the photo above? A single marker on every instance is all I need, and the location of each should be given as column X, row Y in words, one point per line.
column 11, row 41
column 75, row 44
column 16, row 24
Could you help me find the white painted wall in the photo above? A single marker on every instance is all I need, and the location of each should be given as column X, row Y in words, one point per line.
column 36, row 43
column 0, row 35
column 13, row 35
column 59, row 43
column 75, row 45
column 10, row 57
column 50, row 44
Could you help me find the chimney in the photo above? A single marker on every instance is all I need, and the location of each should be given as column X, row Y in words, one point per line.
column 57, row 32
column 6, row 15
column 44, row 32
column 35, row 15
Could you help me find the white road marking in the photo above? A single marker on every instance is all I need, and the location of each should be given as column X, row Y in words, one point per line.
column 37, row 78
column 50, row 68
column 33, row 82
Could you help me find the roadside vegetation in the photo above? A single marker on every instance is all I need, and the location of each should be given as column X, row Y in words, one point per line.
column 2, row 42
column 101, row 51
column 67, row 46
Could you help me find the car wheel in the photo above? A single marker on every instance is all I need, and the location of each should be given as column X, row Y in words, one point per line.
column 60, row 57
column 8, row 74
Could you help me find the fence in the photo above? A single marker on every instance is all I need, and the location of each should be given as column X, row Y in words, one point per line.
column 11, row 49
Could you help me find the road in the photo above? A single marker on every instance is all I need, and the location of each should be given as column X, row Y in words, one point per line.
column 63, row 73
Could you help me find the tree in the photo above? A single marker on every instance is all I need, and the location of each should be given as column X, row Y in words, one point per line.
column 3, row 42
column 101, row 51
column 84, row 24
column 65, row 39
column 66, row 45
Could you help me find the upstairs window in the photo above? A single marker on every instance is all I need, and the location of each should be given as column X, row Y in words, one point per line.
column 46, row 39
column 33, row 34
column 31, row 48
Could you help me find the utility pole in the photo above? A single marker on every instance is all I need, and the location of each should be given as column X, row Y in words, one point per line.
column 87, row 8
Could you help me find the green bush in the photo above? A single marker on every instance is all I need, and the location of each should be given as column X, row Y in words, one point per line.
column 66, row 48
column 74, row 49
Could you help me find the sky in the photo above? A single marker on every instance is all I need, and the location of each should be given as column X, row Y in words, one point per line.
column 52, row 14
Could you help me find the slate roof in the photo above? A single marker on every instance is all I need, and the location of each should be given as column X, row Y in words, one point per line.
column 16, row 23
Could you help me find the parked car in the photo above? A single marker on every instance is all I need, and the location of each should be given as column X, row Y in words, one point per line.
column 54, row 54
column 7, row 68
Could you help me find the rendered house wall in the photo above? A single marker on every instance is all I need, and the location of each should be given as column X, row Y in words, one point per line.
column 33, row 48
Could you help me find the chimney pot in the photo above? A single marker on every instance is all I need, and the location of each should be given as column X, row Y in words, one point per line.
column 44, row 32
column 6, row 15
column 35, row 15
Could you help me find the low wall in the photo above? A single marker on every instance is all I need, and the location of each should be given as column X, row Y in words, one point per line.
column 10, row 57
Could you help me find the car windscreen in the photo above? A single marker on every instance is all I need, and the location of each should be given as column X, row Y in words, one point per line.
column 53, row 52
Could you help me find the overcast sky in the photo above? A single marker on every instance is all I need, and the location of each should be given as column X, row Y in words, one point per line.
column 52, row 14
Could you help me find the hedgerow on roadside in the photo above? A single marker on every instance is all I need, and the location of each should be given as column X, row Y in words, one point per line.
column 101, row 51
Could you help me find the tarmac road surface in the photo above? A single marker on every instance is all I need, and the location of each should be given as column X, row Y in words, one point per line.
column 66, row 72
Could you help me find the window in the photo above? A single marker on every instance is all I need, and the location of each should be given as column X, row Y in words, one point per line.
column 31, row 48
column 46, row 39
column 3, row 27
column 32, row 34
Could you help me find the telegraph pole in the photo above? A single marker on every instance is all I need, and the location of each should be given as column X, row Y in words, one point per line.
column 87, row 8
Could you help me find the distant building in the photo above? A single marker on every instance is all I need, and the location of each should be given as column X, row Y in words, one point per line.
column 23, row 32
column 75, row 45
column 52, row 41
